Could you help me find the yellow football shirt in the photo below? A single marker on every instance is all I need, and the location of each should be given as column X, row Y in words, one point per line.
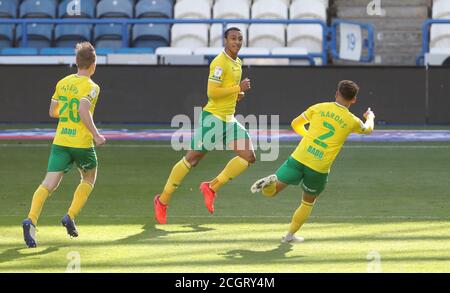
column 329, row 126
column 71, row 131
column 227, row 72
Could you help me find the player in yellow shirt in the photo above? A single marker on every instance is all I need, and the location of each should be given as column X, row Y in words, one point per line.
column 218, row 128
column 329, row 126
column 73, row 103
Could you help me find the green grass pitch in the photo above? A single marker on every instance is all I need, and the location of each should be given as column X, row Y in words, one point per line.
column 384, row 201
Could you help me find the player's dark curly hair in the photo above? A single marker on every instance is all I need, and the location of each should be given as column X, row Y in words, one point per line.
column 231, row 29
column 348, row 89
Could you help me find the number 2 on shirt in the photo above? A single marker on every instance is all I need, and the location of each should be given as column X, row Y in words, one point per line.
column 73, row 105
column 320, row 140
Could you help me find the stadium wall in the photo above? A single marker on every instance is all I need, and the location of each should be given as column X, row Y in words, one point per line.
column 154, row 94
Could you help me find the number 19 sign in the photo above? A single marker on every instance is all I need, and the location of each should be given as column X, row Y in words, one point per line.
column 350, row 42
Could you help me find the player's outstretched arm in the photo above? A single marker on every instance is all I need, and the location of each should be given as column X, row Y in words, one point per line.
column 53, row 111
column 216, row 91
column 86, row 118
column 369, row 125
column 298, row 124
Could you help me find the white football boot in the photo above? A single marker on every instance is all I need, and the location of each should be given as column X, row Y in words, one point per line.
column 263, row 182
column 289, row 238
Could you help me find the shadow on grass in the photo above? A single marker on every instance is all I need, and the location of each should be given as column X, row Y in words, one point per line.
column 22, row 252
column 251, row 256
column 151, row 232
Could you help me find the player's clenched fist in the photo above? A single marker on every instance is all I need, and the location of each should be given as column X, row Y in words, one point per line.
column 245, row 85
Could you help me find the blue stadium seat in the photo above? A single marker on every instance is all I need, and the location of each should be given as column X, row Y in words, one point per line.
column 6, row 35
column 87, row 9
column 68, row 35
column 38, row 9
column 135, row 51
column 57, row 51
column 151, row 35
column 108, row 36
column 104, row 51
column 8, row 9
column 19, row 51
column 154, row 8
column 115, row 8
column 39, row 35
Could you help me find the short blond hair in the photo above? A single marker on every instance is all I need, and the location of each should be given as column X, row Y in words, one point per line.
column 86, row 56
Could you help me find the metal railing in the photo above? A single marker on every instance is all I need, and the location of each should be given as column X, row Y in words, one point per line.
column 426, row 36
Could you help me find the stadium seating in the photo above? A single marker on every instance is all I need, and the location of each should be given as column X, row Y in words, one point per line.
column 441, row 9
column 39, row 35
column 231, row 9
column 151, row 35
column 115, row 8
column 19, row 51
column 268, row 35
column 87, row 9
column 216, row 33
column 57, row 51
column 189, row 35
column 192, row 9
column 38, row 9
column 273, row 9
column 167, row 51
column 308, row 36
column 211, row 51
column 286, row 2
column 6, row 35
column 68, row 35
column 154, row 8
column 440, row 33
column 108, row 36
column 314, row 9
column 8, row 9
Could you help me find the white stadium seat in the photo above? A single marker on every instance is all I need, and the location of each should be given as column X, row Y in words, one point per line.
column 440, row 36
column 292, row 51
column 254, row 51
column 189, row 35
column 231, row 9
column 208, row 51
column 288, row 51
column 170, row 51
column 192, row 9
column 307, row 36
column 441, row 9
column 216, row 33
column 308, row 9
column 287, row 2
column 272, row 9
column 440, row 50
column 266, row 35
column 210, row 2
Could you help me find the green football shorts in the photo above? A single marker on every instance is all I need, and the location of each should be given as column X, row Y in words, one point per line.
column 62, row 158
column 293, row 172
column 215, row 134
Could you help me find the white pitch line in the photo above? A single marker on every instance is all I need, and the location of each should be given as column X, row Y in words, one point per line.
column 6, row 145
column 263, row 217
